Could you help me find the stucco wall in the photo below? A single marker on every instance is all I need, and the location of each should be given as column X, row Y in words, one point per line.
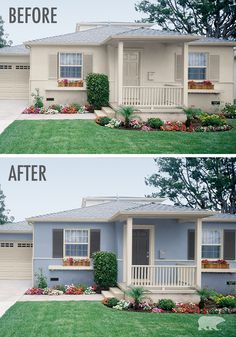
column 15, row 237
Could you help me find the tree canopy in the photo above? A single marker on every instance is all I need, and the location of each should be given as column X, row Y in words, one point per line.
column 201, row 183
column 3, row 211
column 211, row 18
column 3, row 37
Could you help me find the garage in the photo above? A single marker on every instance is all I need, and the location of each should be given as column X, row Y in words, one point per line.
column 14, row 80
column 15, row 260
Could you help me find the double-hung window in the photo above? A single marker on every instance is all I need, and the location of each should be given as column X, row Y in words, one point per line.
column 211, row 244
column 70, row 65
column 197, row 66
column 76, row 243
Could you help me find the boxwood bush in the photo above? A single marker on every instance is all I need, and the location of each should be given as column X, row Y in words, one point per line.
column 155, row 123
column 105, row 269
column 166, row 304
column 97, row 90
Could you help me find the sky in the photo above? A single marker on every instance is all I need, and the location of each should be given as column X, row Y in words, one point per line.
column 71, row 179
column 69, row 12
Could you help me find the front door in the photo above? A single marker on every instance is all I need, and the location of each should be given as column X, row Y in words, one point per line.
column 140, row 247
column 131, row 68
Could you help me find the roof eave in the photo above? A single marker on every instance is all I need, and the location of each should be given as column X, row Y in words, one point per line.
column 159, row 38
column 6, row 231
column 222, row 44
column 216, row 219
column 33, row 220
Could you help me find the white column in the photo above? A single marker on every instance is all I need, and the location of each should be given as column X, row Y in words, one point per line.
column 198, row 252
column 185, row 74
column 129, row 243
column 120, row 71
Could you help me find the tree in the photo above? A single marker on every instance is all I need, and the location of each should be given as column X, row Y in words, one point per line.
column 211, row 18
column 3, row 212
column 3, row 36
column 203, row 183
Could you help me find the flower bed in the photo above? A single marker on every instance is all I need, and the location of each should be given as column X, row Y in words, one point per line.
column 63, row 290
column 59, row 109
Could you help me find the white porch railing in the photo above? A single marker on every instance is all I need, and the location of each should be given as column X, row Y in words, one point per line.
column 162, row 96
column 163, row 276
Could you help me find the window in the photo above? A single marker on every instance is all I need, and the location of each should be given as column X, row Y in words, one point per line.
column 5, row 66
column 6, row 244
column 76, row 242
column 22, row 67
column 211, row 244
column 197, row 66
column 24, row 245
column 70, row 65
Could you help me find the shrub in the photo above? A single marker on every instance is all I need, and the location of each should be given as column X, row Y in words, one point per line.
column 227, row 302
column 56, row 107
column 41, row 279
column 105, row 269
column 111, row 302
column 137, row 294
column 98, row 90
column 212, row 120
column 205, row 294
column 155, row 123
column 127, row 113
column 38, row 100
column 229, row 111
column 103, row 121
column 166, row 304
column 192, row 113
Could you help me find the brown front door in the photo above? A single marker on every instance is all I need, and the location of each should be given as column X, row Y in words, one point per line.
column 140, row 247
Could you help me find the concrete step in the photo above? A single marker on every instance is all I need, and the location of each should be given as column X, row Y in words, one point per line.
column 107, row 294
column 100, row 113
column 109, row 112
column 117, row 293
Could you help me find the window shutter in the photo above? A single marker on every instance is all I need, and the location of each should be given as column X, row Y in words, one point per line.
column 87, row 65
column 94, row 241
column 52, row 67
column 57, row 243
column 214, row 68
column 191, row 244
column 178, row 67
column 229, row 244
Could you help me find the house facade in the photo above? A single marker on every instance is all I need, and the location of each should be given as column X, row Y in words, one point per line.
column 147, row 68
column 158, row 246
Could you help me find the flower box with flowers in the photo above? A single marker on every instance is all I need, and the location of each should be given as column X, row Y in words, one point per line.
column 74, row 262
column 208, row 85
column 215, row 264
column 68, row 83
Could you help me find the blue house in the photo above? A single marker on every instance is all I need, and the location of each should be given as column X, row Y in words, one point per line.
column 158, row 246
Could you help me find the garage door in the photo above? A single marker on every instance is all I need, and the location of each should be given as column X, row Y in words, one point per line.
column 14, row 81
column 15, row 260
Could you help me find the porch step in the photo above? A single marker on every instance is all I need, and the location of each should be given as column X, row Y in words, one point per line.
column 109, row 112
column 107, row 294
column 100, row 113
column 117, row 293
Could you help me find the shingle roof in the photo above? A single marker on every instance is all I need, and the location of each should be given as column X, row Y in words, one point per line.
column 105, row 211
column 212, row 40
column 21, row 226
column 18, row 50
column 142, row 31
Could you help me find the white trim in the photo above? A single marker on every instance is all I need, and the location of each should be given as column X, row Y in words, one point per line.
column 55, row 267
column 120, row 62
column 198, row 252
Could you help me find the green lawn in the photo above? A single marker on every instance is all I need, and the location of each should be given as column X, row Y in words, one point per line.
column 92, row 319
column 82, row 137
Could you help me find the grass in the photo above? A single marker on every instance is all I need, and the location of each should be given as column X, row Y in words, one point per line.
column 86, row 137
column 92, row 319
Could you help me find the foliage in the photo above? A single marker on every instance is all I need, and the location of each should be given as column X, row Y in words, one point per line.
column 192, row 113
column 213, row 128
column 166, row 304
column 212, row 120
column 174, row 126
column 229, row 111
column 72, row 289
column 41, row 279
column 135, row 124
column 122, row 305
column 3, row 211
column 137, row 294
column 225, row 301
column 219, row 311
column 155, row 123
column 127, row 112
column 38, row 100
column 89, row 291
column 111, row 302
column 3, row 37
column 205, row 294
column 55, row 109
column 98, row 90
column 114, row 124
column 103, row 121
column 203, row 183
column 105, row 269
column 186, row 308
column 209, row 18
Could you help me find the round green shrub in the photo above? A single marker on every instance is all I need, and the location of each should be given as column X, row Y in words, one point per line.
column 166, row 304
column 105, row 269
column 98, row 90
column 111, row 302
column 227, row 302
column 103, row 121
column 212, row 120
column 155, row 123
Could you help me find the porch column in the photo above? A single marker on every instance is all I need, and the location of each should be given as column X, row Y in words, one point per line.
column 129, row 245
column 120, row 71
column 198, row 252
column 185, row 74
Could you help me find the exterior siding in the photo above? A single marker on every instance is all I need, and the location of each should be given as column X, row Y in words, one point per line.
column 15, row 237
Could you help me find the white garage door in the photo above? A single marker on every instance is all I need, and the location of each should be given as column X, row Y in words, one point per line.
column 15, row 260
column 14, row 81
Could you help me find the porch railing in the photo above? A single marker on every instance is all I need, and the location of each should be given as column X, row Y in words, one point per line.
column 162, row 96
column 163, row 276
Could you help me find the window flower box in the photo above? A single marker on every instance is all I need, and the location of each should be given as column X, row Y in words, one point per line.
column 70, row 261
column 207, row 85
column 217, row 264
column 67, row 83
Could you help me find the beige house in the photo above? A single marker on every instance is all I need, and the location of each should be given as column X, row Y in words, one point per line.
column 147, row 68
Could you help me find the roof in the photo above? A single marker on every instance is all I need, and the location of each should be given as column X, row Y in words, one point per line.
column 21, row 226
column 213, row 41
column 113, row 210
column 15, row 50
column 222, row 217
